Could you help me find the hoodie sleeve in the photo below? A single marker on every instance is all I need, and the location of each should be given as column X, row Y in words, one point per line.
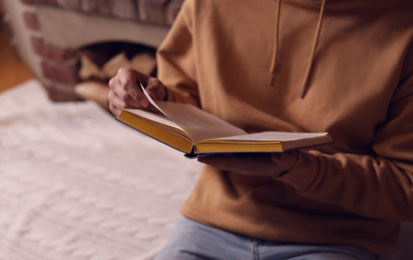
column 379, row 186
column 176, row 61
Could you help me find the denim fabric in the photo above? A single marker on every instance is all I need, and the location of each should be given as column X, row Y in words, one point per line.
column 192, row 240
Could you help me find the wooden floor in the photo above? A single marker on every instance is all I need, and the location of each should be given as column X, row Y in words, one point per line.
column 12, row 71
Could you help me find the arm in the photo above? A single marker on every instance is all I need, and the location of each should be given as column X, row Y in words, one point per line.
column 176, row 61
column 176, row 70
column 378, row 185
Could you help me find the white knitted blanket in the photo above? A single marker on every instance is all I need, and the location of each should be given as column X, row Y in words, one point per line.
column 77, row 184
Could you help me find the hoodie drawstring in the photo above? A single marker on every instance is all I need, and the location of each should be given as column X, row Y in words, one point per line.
column 312, row 53
column 275, row 50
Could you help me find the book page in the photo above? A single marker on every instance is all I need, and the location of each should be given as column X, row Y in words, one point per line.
column 151, row 101
column 271, row 141
column 199, row 124
column 275, row 136
column 155, row 117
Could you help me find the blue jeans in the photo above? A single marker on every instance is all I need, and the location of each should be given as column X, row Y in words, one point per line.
column 192, row 240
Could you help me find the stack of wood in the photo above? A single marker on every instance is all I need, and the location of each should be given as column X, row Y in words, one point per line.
column 101, row 62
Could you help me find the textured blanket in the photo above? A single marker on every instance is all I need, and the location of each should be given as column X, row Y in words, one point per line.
column 77, row 184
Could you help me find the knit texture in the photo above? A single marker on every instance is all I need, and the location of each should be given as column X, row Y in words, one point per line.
column 77, row 184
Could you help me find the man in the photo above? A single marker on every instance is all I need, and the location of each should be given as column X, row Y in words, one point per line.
column 342, row 66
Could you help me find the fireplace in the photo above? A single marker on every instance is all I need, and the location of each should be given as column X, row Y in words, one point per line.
column 51, row 36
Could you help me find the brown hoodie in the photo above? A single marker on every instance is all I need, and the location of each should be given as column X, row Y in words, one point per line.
column 354, row 61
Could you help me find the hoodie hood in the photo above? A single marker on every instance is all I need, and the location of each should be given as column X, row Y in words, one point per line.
column 307, row 75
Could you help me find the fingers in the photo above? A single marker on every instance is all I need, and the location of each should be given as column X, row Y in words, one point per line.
column 243, row 163
column 130, row 80
column 128, row 86
column 155, row 89
column 264, row 164
column 118, row 96
column 125, row 90
column 153, row 86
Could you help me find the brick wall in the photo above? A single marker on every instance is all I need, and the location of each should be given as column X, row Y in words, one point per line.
column 160, row 12
column 1, row 9
column 60, row 65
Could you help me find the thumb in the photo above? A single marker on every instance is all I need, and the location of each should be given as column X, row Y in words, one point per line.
column 156, row 89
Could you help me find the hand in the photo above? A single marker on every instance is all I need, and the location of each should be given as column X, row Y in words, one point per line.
column 260, row 164
column 125, row 91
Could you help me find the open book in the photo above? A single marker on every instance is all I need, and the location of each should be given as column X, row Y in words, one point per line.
column 194, row 131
